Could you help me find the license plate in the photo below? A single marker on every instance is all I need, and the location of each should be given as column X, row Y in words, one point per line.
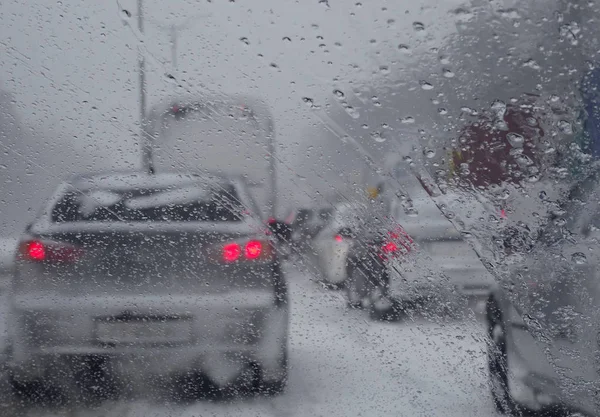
column 143, row 331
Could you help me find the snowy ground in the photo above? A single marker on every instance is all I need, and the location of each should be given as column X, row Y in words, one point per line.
column 343, row 364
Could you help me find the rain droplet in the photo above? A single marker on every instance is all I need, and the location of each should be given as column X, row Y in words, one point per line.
column 245, row 41
column 273, row 65
column 352, row 112
column 429, row 153
column 286, row 39
column 384, row 69
column 378, row 137
column 442, row 111
column 391, row 21
column 425, row 85
column 418, row 26
column 125, row 14
column 407, row 120
column 324, row 3
column 444, row 60
column 309, row 101
column 565, row 127
column 404, row 48
column 531, row 63
column 515, row 139
column 499, row 107
column 447, row 73
column 554, row 98
column 579, row 258
column 339, row 94
column 365, row 126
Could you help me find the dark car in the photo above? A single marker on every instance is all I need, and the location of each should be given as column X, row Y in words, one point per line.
column 542, row 316
column 145, row 276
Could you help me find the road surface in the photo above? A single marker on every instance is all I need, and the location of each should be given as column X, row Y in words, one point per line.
column 342, row 364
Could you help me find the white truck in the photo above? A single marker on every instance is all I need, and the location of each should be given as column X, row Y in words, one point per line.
column 230, row 134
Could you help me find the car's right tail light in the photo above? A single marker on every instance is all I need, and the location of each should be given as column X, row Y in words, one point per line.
column 397, row 243
column 244, row 251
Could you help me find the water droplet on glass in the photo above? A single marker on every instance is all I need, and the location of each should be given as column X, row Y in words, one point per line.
column 565, row 127
column 324, row 3
column 384, row 69
column 286, row 39
column 365, row 126
column 418, row 26
column 309, row 101
column 378, row 137
column 447, row 73
column 273, row 65
column 425, row 85
column 442, row 111
column 352, row 112
column 407, row 120
column 429, row 153
column 499, row 108
column 515, row 139
column 245, row 41
column 579, row 258
column 404, row 48
column 339, row 94
column 531, row 63
column 554, row 98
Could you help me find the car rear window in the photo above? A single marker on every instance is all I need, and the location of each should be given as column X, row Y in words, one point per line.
column 182, row 204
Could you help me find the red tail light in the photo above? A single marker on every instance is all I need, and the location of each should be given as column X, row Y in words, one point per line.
column 231, row 252
column 399, row 243
column 389, row 248
column 42, row 251
column 338, row 238
column 250, row 251
column 253, row 249
column 35, row 250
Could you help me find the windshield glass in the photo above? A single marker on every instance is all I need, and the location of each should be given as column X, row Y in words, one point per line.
column 300, row 208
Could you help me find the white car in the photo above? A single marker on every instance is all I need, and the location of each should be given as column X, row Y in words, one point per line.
column 333, row 242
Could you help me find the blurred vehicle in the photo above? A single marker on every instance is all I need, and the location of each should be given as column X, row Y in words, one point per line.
column 306, row 223
column 542, row 316
column 283, row 235
column 332, row 243
column 130, row 274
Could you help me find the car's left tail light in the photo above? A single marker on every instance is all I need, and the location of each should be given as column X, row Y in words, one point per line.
column 38, row 250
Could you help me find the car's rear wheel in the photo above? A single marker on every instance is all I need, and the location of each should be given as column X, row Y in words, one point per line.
column 355, row 287
column 276, row 386
column 498, row 362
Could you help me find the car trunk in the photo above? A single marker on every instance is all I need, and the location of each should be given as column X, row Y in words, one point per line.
column 141, row 260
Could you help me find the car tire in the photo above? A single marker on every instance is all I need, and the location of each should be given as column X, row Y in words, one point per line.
column 384, row 308
column 273, row 387
column 498, row 363
column 354, row 287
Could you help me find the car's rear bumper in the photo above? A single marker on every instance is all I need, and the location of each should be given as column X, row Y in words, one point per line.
column 223, row 350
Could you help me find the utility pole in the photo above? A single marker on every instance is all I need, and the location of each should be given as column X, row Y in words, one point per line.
column 174, row 47
column 145, row 140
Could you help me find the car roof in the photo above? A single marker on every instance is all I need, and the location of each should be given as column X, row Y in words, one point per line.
column 136, row 179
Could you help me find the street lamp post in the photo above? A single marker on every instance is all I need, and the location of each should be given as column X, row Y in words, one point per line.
column 145, row 139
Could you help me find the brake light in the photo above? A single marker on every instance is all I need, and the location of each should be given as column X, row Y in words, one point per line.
column 251, row 250
column 42, row 251
column 35, row 250
column 389, row 247
column 338, row 238
column 231, row 252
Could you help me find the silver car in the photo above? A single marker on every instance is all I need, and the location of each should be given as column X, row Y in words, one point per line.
column 542, row 316
column 138, row 276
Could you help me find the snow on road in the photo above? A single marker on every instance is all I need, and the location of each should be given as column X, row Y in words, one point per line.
column 343, row 364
